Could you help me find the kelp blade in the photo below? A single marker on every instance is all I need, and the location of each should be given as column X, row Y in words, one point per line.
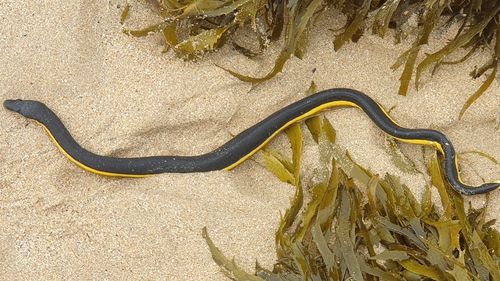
column 330, row 234
column 207, row 18
column 232, row 269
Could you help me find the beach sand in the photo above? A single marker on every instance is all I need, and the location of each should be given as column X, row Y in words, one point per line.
column 120, row 96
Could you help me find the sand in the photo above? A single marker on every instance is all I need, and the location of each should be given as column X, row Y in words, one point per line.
column 120, row 96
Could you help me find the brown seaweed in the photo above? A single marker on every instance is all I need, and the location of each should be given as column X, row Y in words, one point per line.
column 194, row 27
column 354, row 27
column 335, row 233
column 298, row 21
column 458, row 42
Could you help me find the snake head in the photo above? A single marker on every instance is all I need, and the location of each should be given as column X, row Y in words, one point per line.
column 27, row 108
column 13, row 105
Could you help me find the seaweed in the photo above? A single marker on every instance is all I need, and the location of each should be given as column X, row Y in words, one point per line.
column 204, row 41
column 353, row 225
column 353, row 27
column 124, row 14
column 494, row 65
column 430, row 18
column 231, row 269
column 383, row 17
column 298, row 21
column 399, row 159
column 193, row 27
column 482, row 154
column 456, row 43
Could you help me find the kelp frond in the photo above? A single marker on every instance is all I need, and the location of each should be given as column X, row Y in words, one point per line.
column 299, row 19
column 353, row 225
column 193, row 27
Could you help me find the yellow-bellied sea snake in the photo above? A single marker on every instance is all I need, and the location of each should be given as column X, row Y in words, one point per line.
column 245, row 144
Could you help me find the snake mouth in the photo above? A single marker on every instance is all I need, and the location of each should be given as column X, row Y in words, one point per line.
column 13, row 105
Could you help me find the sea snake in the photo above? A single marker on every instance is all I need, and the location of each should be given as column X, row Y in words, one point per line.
column 245, row 144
